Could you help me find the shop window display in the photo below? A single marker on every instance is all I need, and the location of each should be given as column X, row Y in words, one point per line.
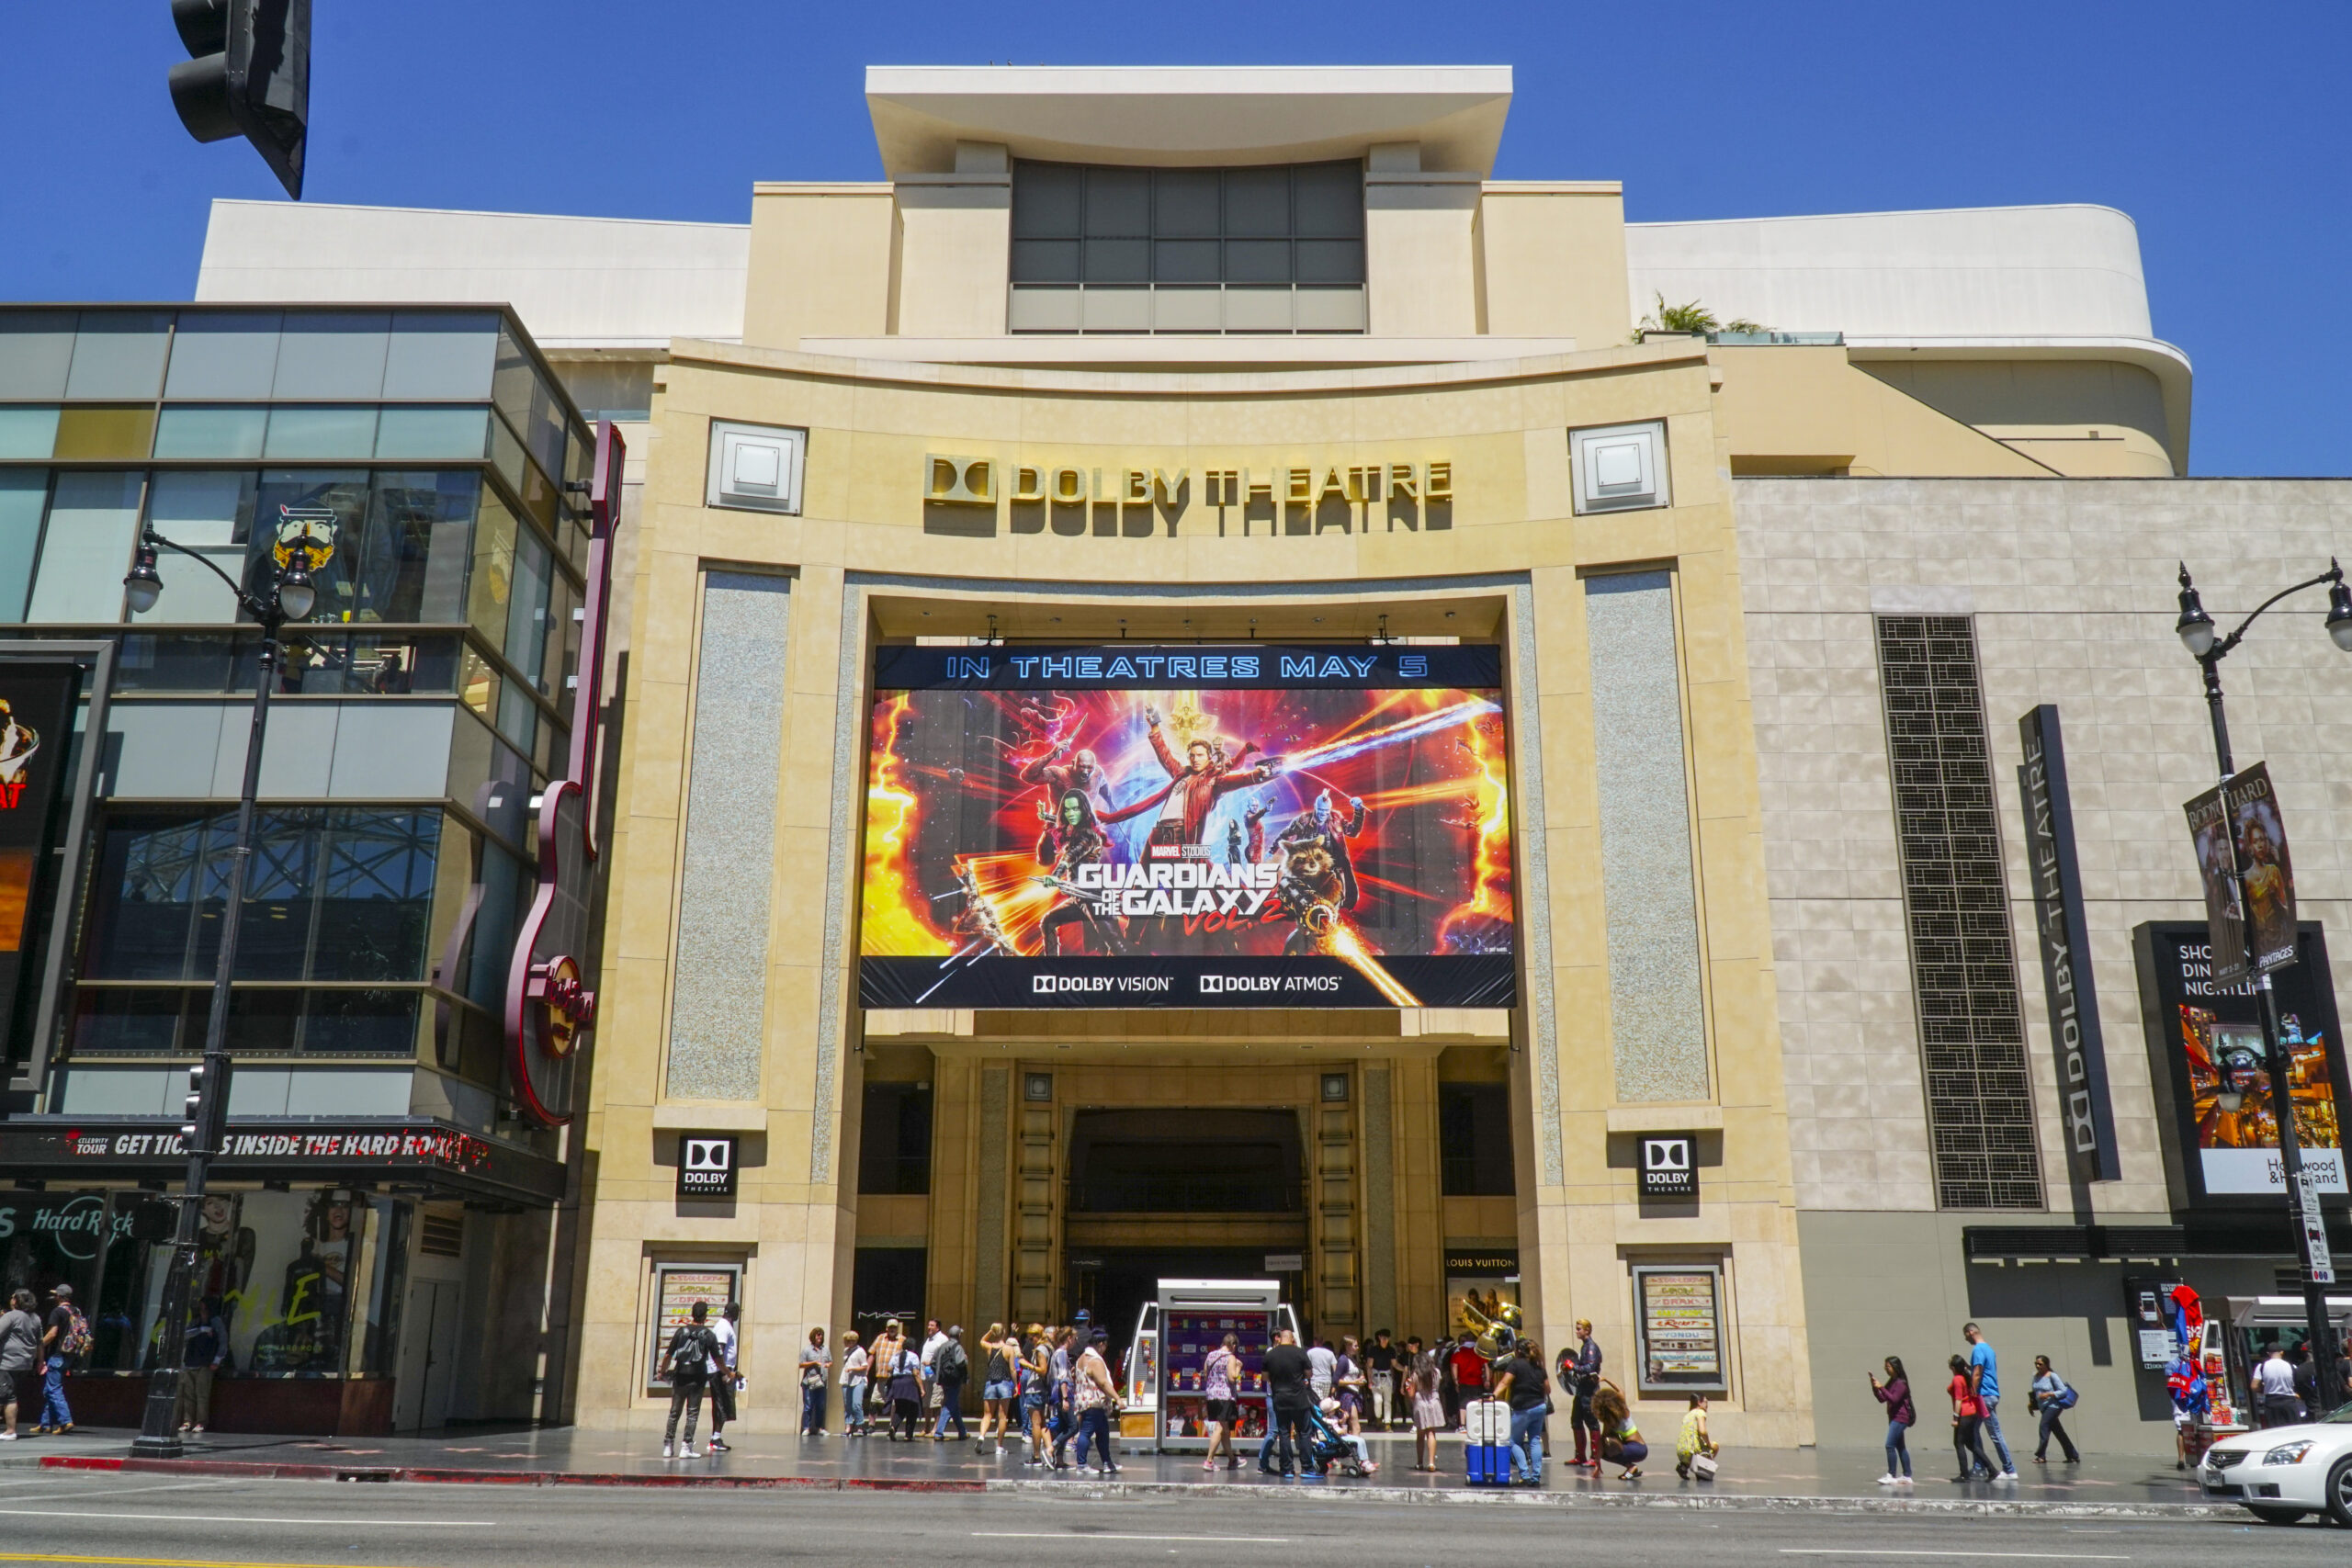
column 306, row 1283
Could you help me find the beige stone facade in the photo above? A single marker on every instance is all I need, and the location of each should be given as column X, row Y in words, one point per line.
column 867, row 561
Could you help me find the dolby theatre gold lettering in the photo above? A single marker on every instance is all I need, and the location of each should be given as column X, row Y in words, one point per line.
column 1289, row 499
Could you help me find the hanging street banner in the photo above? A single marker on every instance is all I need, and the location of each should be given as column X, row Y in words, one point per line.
column 2064, row 937
column 2241, row 842
column 1135, row 826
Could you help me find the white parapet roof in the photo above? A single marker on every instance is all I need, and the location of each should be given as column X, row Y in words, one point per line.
column 1195, row 114
column 576, row 282
column 1955, row 272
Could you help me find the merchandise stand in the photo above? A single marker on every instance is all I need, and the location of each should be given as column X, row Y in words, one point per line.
column 1194, row 1317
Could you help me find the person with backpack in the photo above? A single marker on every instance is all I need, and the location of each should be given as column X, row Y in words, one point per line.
column 2052, row 1396
column 1901, row 1417
column 63, row 1344
column 950, row 1369
column 687, row 1363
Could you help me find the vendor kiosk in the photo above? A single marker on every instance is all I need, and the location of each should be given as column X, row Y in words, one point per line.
column 2256, row 1322
column 1191, row 1318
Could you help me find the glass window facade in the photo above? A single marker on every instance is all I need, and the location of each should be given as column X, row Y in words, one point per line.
column 1109, row 249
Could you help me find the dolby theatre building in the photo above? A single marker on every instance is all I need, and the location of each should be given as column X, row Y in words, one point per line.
column 1198, row 701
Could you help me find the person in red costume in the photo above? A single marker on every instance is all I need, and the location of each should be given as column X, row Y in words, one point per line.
column 1195, row 785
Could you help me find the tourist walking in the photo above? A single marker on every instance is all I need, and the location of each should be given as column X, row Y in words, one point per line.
column 1291, row 1397
column 686, row 1365
column 1520, row 1381
column 1380, row 1359
column 2274, row 1391
column 1469, row 1370
column 855, row 1360
column 816, row 1369
column 19, row 1361
column 1901, row 1417
column 2050, row 1397
column 205, row 1347
column 1322, row 1370
column 1094, row 1398
column 1967, row 1422
column 723, row 1335
column 950, row 1369
column 1348, row 1383
column 998, row 1388
column 63, row 1342
column 1985, row 1368
column 1063, row 1416
column 906, row 1392
column 1425, row 1401
column 1037, row 1375
column 1221, row 1412
column 1586, row 1371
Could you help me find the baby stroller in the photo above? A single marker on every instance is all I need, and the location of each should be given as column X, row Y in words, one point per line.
column 1327, row 1445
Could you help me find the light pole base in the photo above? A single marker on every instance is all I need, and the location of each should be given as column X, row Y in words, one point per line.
column 157, row 1448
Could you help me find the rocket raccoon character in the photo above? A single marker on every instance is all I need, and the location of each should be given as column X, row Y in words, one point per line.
column 1309, row 890
column 1323, row 827
column 1073, row 836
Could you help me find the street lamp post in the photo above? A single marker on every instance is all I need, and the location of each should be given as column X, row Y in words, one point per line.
column 292, row 598
column 2198, row 635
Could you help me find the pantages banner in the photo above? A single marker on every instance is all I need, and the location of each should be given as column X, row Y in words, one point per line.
column 1133, row 826
column 2064, row 937
column 2213, row 1085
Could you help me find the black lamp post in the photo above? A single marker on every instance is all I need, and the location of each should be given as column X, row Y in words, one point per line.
column 294, row 597
column 2198, row 635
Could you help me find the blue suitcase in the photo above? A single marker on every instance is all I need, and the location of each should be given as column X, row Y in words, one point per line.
column 1489, row 1463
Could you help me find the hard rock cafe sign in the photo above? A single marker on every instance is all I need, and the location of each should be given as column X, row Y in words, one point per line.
column 550, row 1000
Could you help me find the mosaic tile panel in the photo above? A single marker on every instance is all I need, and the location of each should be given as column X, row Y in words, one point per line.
column 718, row 1011
column 1657, row 1021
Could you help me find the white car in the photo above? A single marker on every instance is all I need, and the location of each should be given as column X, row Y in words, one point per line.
column 2284, row 1472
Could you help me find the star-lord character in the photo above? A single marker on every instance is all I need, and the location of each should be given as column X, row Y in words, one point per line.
column 1195, row 785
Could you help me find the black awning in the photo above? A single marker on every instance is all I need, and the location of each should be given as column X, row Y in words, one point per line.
column 358, row 1149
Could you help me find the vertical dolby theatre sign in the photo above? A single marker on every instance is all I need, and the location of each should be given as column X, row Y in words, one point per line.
column 2063, row 938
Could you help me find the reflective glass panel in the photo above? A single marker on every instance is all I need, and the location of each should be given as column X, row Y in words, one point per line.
column 230, row 432
column 118, row 354
column 208, row 511
column 85, row 549
column 224, row 354
column 301, row 433
column 332, row 355
column 409, row 434
column 27, row 432
column 419, row 546
column 441, row 354
column 36, row 350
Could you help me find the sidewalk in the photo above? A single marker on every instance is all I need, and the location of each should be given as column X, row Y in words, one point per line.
column 1835, row 1479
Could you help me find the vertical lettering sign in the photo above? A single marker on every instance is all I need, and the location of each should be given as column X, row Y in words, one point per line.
column 2064, row 936
column 2259, row 838
column 37, row 698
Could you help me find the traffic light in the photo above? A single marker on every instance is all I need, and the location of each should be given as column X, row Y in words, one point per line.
column 250, row 76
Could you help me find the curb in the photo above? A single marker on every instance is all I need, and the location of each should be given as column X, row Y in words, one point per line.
column 431, row 1475
column 1136, row 1490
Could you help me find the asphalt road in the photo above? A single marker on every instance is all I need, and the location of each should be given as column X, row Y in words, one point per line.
column 148, row 1519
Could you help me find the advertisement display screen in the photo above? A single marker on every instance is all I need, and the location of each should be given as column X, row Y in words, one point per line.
column 2205, row 1041
column 36, row 700
column 1129, row 826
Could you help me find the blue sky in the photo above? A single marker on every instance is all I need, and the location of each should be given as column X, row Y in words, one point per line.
column 2222, row 131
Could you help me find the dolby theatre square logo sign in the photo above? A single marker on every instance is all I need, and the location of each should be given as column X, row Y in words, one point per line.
column 706, row 1165
column 1670, row 1165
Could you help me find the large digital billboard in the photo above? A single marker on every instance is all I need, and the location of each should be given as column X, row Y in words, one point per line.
column 2213, row 1077
column 1130, row 825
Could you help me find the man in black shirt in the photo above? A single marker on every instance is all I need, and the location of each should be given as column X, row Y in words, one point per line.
column 1287, row 1371
column 1520, row 1379
column 1380, row 1378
